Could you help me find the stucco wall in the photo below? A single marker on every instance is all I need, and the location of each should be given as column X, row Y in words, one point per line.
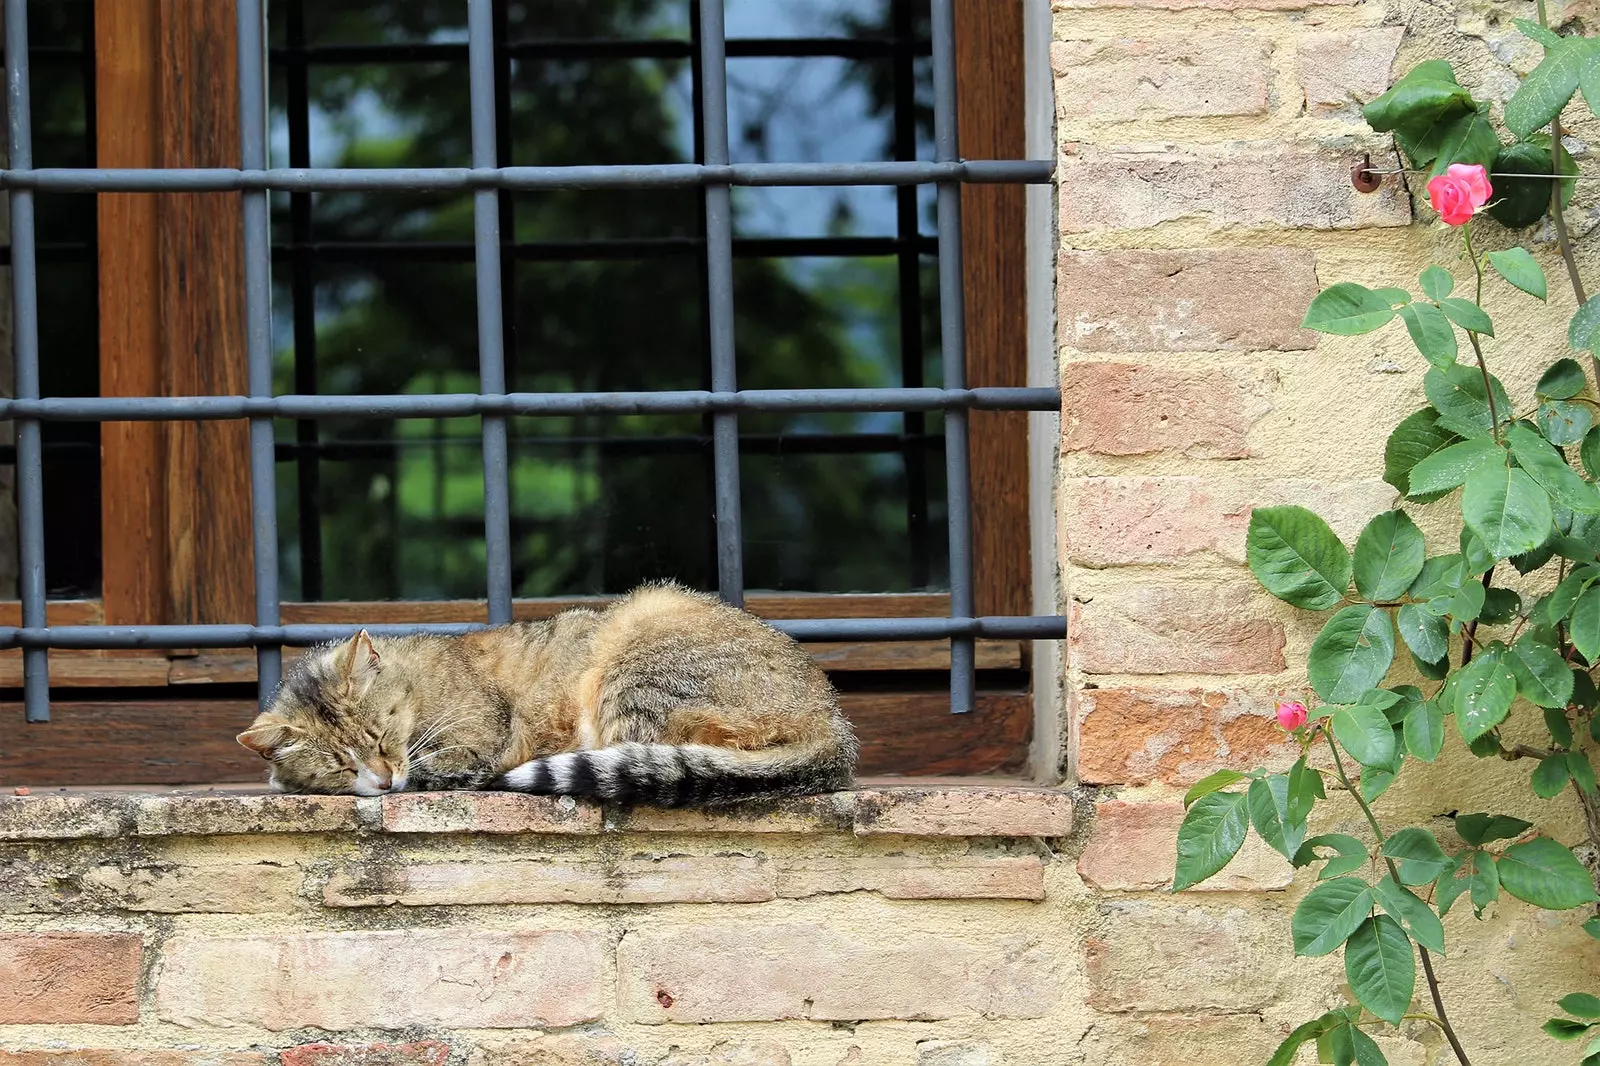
column 1205, row 149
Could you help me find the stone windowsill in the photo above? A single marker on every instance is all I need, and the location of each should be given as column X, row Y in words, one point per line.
column 973, row 807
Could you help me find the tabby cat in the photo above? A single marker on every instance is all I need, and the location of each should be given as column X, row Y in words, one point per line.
column 666, row 697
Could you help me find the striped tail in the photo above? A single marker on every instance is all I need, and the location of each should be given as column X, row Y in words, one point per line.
column 672, row 775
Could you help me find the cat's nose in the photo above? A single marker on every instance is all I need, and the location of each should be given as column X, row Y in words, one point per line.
column 384, row 778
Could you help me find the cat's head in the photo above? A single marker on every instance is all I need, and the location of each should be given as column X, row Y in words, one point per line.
column 335, row 725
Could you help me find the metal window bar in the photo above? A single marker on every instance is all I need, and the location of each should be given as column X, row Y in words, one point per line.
column 723, row 401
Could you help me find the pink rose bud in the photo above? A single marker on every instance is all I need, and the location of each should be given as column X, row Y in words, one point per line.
column 1292, row 714
column 1459, row 192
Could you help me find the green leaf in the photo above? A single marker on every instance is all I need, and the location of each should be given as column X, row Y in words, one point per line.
column 1351, row 654
column 1564, row 1028
column 1418, row 855
column 1550, row 776
column 1210, row 836
column 1424, row 730
column 1519, row 202
column 1448, row 467
column 1565, row 597
column 1548, row 87
column 1555, row 720
column 1563, row 421
column 1484, row 881
column 1329, row 914
column 1305, row 788
column 1549, row 468
column 1467, row 602
column 1580, row 1005
column 1458, row 394
column 1466, row 139
column 1427, row 635
column 1482, row 828
column 1564, row 379
column 1437, row 282
column 1543, row 677
column 1417, row 436
column 1581, row 329
column 1537, row 32
column 1479, row 559
column 1311, row 1030
column 1592, row 927
column 1451, row 885
column 1350, row 854
column 1431, row 332
column 1507, row 509
column 1268, row 802
column 1366, row 1049
column 1545, row 874
column 1499, row 606
column 1582, row 772
column 1365, row 733
column 1420, row 99
column 1585, row 695
column 1389, row 556
column 1585, row 628
column 1483, row 694
column 1296, row 557
column 1468, row 315
column 1211, row 783
column 1589, row 452
column 1347, row 309
column 1417, row 917
column 1375, row 781
column 1518, row 267
column 1381, row 968
column 1441, row 576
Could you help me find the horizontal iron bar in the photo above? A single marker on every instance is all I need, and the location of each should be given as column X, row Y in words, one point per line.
column 604, row 249
column 436, row 179
column 455, row 405
column 598, row 48
column 1044, row 627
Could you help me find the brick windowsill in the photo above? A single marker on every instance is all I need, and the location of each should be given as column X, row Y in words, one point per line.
column 974, row 807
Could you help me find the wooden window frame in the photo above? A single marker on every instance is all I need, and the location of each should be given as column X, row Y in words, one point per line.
column 175, row 496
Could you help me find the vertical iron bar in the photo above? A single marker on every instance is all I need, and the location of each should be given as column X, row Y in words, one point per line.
column 952, row 343
column 258, row 334
column 909, row 262
column 308, row 466
column 25, row 310
column 491, row 338
column 719, row 311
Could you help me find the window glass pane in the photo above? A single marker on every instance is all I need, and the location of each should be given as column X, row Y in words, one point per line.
column 605, row 290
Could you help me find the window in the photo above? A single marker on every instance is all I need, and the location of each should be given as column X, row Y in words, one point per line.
column 375, row 292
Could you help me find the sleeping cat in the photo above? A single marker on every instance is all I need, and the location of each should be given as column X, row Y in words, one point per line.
column 667, row 697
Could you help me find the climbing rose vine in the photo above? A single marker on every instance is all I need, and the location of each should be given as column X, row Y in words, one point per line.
column 1427, row 646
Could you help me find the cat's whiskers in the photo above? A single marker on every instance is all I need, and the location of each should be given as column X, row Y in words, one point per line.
column 432, row 732
column 435, row 754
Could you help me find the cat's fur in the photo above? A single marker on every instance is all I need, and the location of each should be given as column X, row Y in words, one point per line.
column 667, row 697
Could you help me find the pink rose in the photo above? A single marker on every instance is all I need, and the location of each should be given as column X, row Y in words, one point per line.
column 1292, row 714
column 1459, row 192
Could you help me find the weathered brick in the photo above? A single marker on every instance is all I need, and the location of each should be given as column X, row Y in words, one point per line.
column 1215, row 5
column 555, row 1049
column 1135, row 409
column 1346, row 68
column 245, row 813
column 969, row 811
column 464, row 978
column 760, row 1053
column 1118, row 521
column 675, row 879
column 914, row 877
column 420, row 1053
column 1215, row 628
column 1180, row 1040
column 1168, row 956
column 487, row 812
column 728, row 972
column 1186, row 300
column 1135, row 736
column 1161, row 76
column 957, row 1053
column 831, row 812
column 230, row 888
column 1134, row 848
column 69, row 978
column 1249, row 184
column 133, row 1057
column 63, row 817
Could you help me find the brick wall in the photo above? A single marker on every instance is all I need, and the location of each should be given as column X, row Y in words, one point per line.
column 1204, row 196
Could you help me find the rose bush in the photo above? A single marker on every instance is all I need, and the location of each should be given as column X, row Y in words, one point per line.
column 1415, row 639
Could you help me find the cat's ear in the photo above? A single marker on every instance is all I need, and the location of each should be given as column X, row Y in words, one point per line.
column 266, row 735
column 360, row 663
